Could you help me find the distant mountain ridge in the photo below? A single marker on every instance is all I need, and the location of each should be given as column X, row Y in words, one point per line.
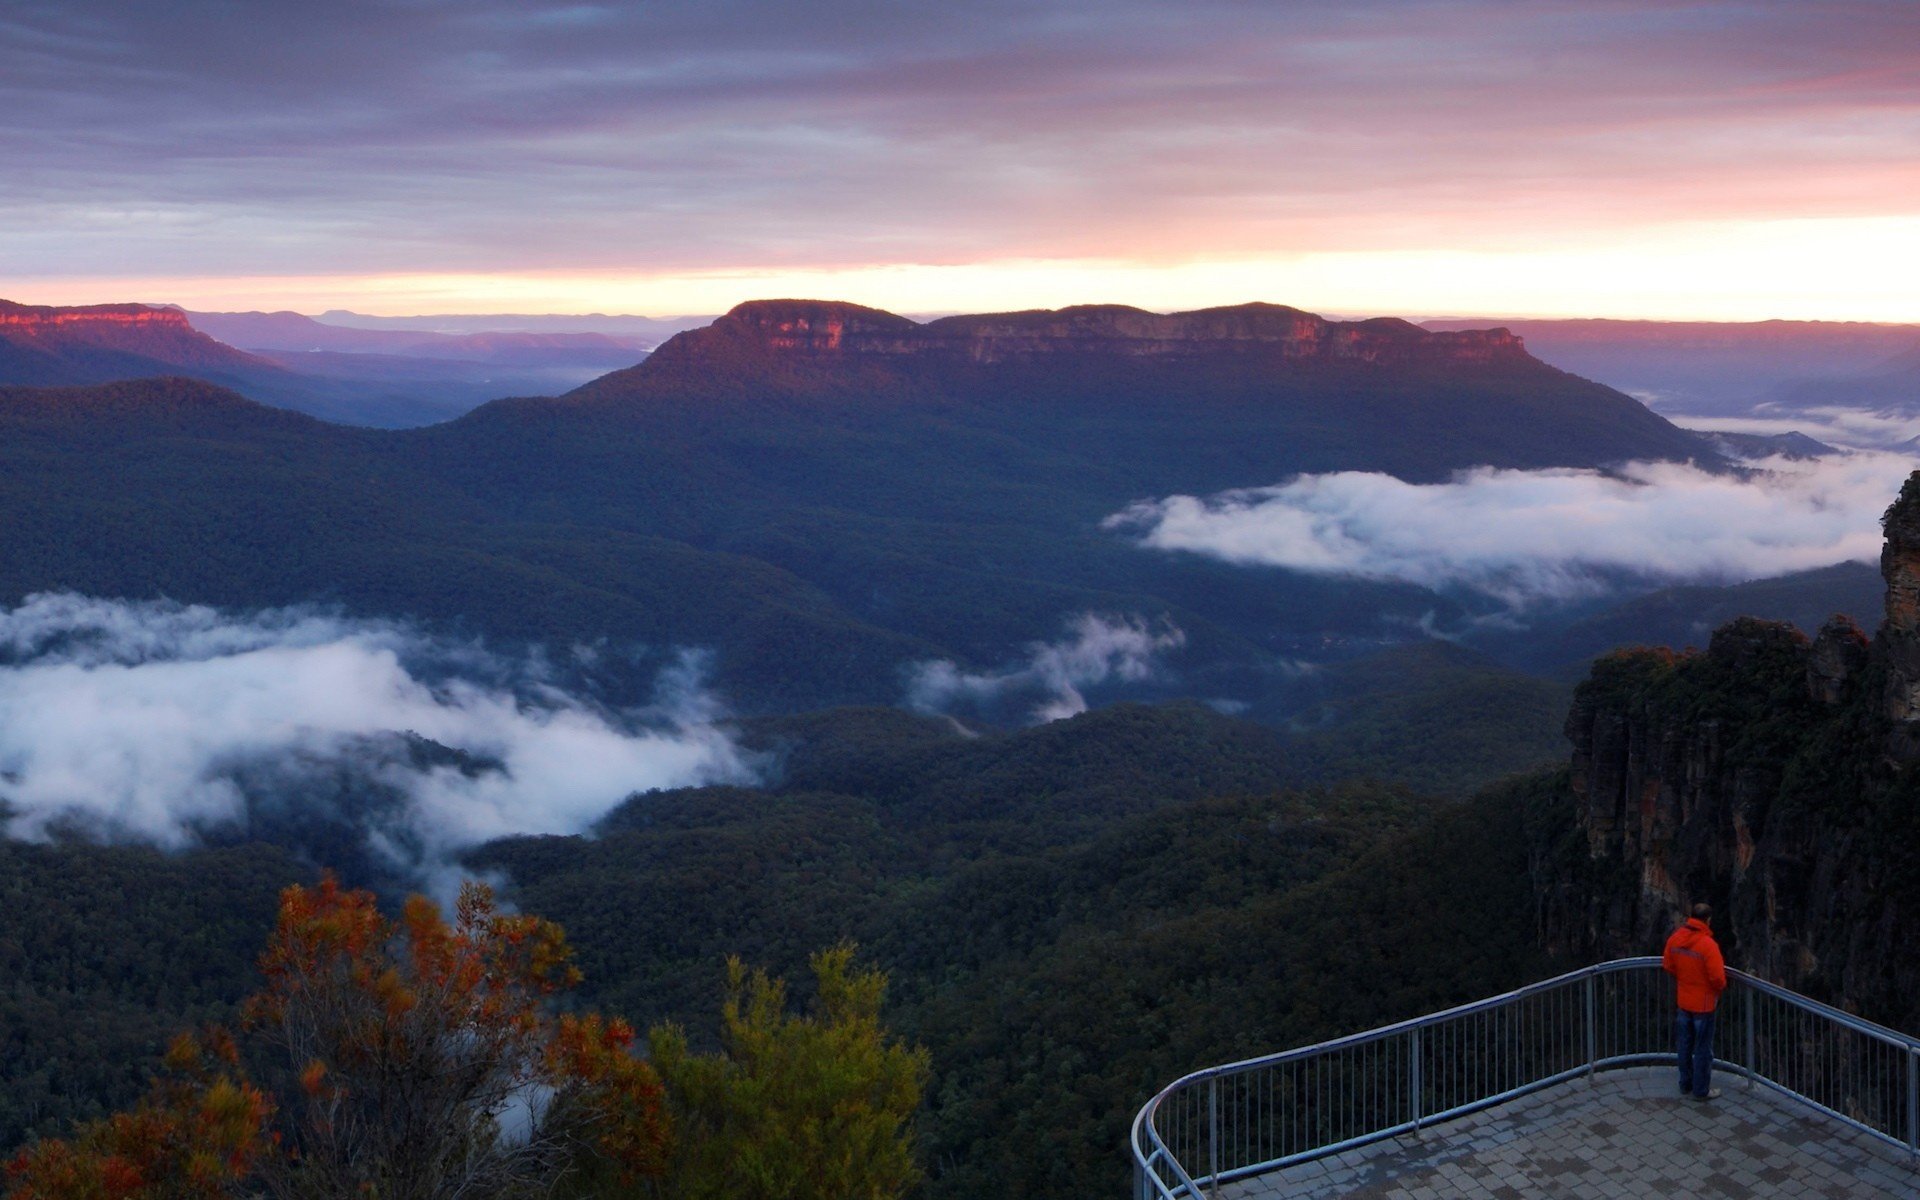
column 379, row 378
column 1768, row 369
column 46, row 346
column 653, row 329
column 292, row 331
column 826, row 328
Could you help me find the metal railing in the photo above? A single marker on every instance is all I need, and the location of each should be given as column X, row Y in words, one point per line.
column 1246, row 1118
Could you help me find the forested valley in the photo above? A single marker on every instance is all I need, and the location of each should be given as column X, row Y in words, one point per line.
column 1069, row 916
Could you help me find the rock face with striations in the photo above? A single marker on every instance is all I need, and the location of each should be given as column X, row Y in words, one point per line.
column 1899, row 640
column 1770, row 776
column 815, row 328
column 54, row 347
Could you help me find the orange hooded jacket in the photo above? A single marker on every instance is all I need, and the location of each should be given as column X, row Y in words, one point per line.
column 1693, row 959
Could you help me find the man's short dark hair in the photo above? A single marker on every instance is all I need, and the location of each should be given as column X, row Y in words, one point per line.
column 1703, row 911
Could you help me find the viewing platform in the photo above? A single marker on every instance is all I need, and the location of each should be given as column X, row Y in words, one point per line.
column 1628, row 1134
column 1566, row 1088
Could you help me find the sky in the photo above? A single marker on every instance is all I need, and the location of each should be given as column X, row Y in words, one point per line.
column 1454, row 157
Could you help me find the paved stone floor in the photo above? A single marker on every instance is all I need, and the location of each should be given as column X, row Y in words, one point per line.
column 1625, row 1135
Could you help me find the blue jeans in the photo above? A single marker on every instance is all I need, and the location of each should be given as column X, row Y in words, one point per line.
column 1693, row 1045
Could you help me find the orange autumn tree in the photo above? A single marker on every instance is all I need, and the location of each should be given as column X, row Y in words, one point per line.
column 430, row 1063
column 424, row 1059
column 198, row 1134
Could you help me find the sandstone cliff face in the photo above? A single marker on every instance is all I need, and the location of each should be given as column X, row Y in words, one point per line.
column 1899, row 640
column 103, row 322
column 1769, row 776
column 161, row 334
column 825, row 329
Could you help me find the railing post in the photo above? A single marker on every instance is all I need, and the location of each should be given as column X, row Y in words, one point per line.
column 1415, row 1064
column 1752, row 1002
column 1913, row 1101
column 1213, row 1136
column 1593, row 1039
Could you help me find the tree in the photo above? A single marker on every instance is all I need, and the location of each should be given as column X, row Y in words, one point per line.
column 429, row 1063
column 198, row 1133
column 793, row 1107
column 423, row 1062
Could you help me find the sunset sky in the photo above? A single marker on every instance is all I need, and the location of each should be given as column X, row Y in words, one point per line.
column 1469, row 157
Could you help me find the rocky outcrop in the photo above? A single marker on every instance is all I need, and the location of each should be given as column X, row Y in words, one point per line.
column 812, row 328
column 1657, row 791
column 1899, row 639
column 1838, row 655
column 28, row 320
column 102, row 341
column 1769, row 776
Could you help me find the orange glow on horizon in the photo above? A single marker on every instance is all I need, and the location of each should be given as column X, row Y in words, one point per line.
column 1839, row 269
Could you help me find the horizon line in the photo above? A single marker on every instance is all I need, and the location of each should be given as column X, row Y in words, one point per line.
column 925, row 315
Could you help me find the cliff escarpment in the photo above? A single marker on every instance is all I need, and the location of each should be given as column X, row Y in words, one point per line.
column 59, row 347
column 40, row 319
column 1773, row 776
column 817, row 329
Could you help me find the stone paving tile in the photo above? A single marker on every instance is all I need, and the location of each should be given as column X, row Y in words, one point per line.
column 1625, row 1135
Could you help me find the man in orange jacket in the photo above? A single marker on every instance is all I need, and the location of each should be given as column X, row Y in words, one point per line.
column 1693, row 959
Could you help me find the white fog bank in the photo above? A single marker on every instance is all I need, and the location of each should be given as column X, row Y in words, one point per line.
column 1530, row 536
column 138, row 720
column 1096, row 650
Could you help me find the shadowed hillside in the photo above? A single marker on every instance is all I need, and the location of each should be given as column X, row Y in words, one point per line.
column 822, row 509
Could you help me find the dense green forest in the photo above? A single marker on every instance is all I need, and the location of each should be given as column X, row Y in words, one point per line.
column 106, row 953
column 1057, row 988
column 1070, row 916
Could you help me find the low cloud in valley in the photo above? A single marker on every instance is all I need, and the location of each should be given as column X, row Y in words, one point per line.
column 1526, row 537
column 164, row 723
column 1096, row 650
column 1853, row 428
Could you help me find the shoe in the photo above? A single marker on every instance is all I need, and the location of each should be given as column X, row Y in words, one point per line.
column 1712, row 1095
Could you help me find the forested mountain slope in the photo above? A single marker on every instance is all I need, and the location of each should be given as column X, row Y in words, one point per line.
column 820, row 517
column 1072, row 916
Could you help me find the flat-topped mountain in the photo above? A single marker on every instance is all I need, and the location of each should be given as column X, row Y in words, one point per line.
column 43, row 346
column 1269, row 331
column 43, row 320
column 1200, row 401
